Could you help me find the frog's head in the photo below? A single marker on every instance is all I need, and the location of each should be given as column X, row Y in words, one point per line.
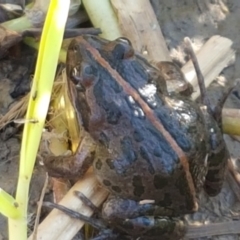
column 106, row 74
column 92, row 67
column 88, row 56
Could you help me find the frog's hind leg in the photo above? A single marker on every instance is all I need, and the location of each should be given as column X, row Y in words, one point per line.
column 71, row 166
column 141, row 219
column 105, row 233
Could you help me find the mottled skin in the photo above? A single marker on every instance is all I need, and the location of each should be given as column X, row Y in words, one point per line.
column 150, row 143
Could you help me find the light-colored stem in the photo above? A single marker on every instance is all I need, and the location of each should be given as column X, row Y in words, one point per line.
column 37, row 109
column 139, row 24
column 102, row 16
column 57, row 225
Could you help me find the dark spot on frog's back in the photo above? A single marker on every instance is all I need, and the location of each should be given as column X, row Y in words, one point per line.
column 127, row 149
column 98, row 164
column 167, row 201
column 116, row 189
column 146, row 156
column 138, row 186
column 106, row 182
column 110, row 163
column 138, row 135
column 103, row 139
column 159, row 181
column 113, row 113
column 182, row 185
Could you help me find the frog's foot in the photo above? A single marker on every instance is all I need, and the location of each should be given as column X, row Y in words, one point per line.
column 142, row 220
column 153, row 227
column 96, row 223
column 105, row 233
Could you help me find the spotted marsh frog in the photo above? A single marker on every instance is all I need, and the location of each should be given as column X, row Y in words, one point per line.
column 149, row 141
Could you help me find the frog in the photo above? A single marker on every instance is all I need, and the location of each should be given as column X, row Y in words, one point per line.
column 152, row 147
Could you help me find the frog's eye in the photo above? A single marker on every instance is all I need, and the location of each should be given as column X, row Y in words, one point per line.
column 86, row 76
column 122, row 49
column 89, row 70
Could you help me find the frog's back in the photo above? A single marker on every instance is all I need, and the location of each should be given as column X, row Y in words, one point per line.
column 152, row 146
column 137, row 158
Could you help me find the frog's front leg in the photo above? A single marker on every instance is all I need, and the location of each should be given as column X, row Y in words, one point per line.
column 142, row 219
column 74, row 165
